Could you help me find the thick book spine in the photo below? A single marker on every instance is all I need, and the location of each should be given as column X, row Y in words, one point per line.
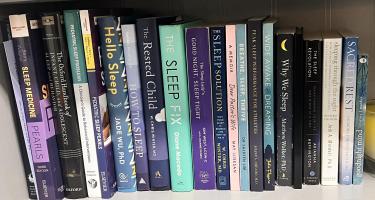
column 136, row 107
column 118, row 102
column 332, row 57
column 199, row 77
column 172, row 45
column 255, row 119
column 153, row 102
column 98, row 98
column 284, row 105
column 34, row 89
column 360, row 118
column 234, row 160
column 219, row 106
column 312, row 101
column 82, row 99
column 347, row 113
column 64, row 108
column 25, row 146
column 268, row 107
column 243, row 125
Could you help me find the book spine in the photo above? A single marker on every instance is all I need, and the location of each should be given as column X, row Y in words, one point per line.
column 347, row 114
column 255, row 119
column 98, row 98
column 199, row 77
column 82, row 99
column 234, row 160
column 24, row 137
column 64, row 109
column 219, row 106
column 172, row 45
column 40, row 123
column 360, row 119
column 136, row 107
column 312, row 101
column 332, row 57
column 154, row 107
column 268, row 107
column 284, row 104
column 118, row 102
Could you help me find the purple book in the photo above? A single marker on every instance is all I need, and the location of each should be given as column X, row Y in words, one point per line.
column 199, row 76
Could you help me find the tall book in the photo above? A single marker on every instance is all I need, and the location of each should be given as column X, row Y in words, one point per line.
column 219, row 106
column 232, row 98
column 172, row 45
column 347, row 103
column 115, row 77
column 255, row 109
column 33, row 82
column 153, row 103
column 284, row 104
column 312, row 101
column 242, row 95
column 268, row 80
column 298, row 111
column 332, row 58
column 360, row 118
column 22, row 134
column 136, row 107
column 199, row 78
column 97, row 90
column 64, row 108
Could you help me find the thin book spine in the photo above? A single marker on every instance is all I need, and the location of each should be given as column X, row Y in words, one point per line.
column 219, row 106
column 360, row 118
column 136, row 107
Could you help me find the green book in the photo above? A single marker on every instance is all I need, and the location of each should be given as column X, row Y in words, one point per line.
column 172, row 45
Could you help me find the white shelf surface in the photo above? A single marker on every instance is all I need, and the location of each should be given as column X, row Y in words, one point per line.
column 365, row 191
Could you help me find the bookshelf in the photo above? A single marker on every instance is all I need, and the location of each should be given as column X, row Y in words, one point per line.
column 318, row 15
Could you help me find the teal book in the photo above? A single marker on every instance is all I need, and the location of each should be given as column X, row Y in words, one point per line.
column 172, row 45
column 243, row 129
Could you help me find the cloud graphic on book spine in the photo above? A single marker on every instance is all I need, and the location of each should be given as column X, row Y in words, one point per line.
column 160, row 117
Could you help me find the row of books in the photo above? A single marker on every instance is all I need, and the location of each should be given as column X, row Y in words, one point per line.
column 123, row 104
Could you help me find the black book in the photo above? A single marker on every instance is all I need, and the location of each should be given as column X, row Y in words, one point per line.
column 255, row 104
column 64, row 107
column 312, row 105
column 153, row 99
column 284, row 105
column 298, row 80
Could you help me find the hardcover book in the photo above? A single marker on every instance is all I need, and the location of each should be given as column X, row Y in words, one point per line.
column 347, row 112
column 255, row 109
column 234, row 159
column 33, row 82
column 22, row 134
column 243, row 125
column 284, row 105
column 82, row 100
column 115, row 77
column 97, row 89
column 136, row 107
column 219, row 106
column 332, row 58
column 312, row 101
column 153, row 100
column 268, row 80
column 360, row 118
column 199, row 78
column 64, row 108
column 172, row 45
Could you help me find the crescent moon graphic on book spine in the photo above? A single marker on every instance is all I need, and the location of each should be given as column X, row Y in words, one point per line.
column 283, row 47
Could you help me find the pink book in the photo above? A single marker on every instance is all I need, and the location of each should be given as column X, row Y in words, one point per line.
column 232, row 107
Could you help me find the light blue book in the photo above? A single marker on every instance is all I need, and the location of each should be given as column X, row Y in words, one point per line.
column 243, row 106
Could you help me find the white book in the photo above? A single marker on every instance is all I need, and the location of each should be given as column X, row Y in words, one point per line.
column 332, row 57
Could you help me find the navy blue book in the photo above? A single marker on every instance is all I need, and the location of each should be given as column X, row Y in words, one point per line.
column 219, row 106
